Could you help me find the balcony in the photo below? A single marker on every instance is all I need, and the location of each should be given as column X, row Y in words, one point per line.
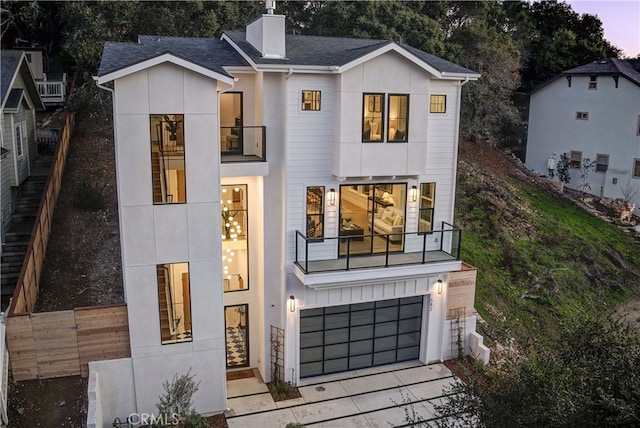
column 53, row 91
column 243, row 144
column 419, row 254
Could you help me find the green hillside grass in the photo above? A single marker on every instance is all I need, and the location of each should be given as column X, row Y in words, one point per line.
column 541, row 259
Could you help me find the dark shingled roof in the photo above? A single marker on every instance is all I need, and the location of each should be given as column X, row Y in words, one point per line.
column 211, row 54
column 15, row 95
column 334, row 51
column 215, row 54
column 610, row 66
column 9, row 61
column 10, row 64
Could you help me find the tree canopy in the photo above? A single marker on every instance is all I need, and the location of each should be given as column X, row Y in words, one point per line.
column 516, row 45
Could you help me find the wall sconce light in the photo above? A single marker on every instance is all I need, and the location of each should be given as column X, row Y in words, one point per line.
column 439, row 287
column 292, row 304
column 413, row 194
column 331, row 197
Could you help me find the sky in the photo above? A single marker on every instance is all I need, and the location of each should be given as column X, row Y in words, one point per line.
column 620, row 20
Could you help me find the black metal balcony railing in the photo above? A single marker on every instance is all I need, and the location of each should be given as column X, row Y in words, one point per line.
column 243, row 143
column 419, row 248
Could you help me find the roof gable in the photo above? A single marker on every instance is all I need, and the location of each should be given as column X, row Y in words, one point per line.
column 13, row 63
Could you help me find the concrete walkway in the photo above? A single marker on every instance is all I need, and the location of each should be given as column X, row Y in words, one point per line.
column 364, row 398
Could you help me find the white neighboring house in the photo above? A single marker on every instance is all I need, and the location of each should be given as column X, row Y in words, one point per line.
column 239, row 163
column 20, row 101
column 591, row 111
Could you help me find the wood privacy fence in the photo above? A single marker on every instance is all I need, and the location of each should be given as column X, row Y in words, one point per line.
column 56, row 344
column 462, row 291
column 26, row 291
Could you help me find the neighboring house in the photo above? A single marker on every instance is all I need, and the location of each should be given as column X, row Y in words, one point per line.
column 50, row 76
column 20, row 101
column 590, row 112
column 286, row 204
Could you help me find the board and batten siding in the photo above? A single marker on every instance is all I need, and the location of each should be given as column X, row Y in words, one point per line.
column 309, row 139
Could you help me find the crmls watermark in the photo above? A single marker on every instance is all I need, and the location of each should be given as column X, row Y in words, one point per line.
column 150, row 419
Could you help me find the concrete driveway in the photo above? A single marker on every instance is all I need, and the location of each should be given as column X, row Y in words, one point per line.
column 363, row 398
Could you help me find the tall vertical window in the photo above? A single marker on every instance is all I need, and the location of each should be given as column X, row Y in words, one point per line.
column 398, row 125
column 575, row 159
column 167, row 159
column 638, row 126
column 438, row 104
column 602, row 163
column 315, row 212
column 636, row 168
column 174, row 298
column 19, row 137
column 427, row 199
column 311, row 100
column 593, row 82
column 235, row 234
column 373, row 113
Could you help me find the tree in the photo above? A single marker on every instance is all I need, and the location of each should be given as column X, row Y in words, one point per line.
column 563, row 168
column 175, row 405
column 589, row 378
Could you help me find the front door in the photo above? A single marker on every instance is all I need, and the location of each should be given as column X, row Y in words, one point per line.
column 237, row 335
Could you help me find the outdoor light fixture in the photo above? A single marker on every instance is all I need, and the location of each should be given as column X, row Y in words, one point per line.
column 439, row 286
column 292, row 304
column 413, row 194
column 331, row 197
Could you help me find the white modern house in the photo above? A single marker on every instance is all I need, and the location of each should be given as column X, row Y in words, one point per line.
column 286, row 204
column 590, row 112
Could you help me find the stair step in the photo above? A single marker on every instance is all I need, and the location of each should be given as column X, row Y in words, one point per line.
column 11, row 259
column 11, row 268
column 17, row 236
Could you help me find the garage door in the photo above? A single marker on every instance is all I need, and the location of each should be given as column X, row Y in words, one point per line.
column 340, row 338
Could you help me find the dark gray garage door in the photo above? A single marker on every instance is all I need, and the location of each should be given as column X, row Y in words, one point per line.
column 348, row 337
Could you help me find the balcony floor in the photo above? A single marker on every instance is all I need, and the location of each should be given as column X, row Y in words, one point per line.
column 377, row 261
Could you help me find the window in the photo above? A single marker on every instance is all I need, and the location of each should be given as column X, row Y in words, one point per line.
column 638, row 126
column 398, row 117
column 315, row 212
column 593, row 82
column 427, row 199
column 602, row 163
column 19, row 137
column 167, row 159
column 576, row 159
column 582, row 115
column 636, row 168
column 175, row 302
column 311, row 100
column 438, row 104
column 236, row 322
column 372, row 124
column 235, row 242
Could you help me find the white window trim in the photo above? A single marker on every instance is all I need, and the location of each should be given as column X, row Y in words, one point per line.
column 597, row 163
column 633, row 168
column 19, row 143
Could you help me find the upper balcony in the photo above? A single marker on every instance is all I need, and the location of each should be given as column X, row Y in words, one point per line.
column 243, row 144
column 420, row 253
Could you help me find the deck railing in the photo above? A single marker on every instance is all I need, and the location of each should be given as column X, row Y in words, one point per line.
column 243, row 143
column 53, row 91
column 342, row 253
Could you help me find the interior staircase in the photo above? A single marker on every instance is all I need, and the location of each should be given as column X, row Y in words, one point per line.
column 156, row 176
column 165, row 331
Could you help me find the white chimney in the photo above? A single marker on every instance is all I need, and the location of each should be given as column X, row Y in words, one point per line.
column 267, row 33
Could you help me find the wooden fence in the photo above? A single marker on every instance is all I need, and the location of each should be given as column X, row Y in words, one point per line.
column 56, row 344
column 26, row 291
column 462, row 290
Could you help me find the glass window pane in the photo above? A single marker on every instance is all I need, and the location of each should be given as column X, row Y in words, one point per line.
column 362, row 306
column 311, row 324
column 167, row 158
column 386, row 314
column 386, row 329
column 361, row 347
column 361, row 317
column 409, row 353
column 310, row 369
column 387, row 303
column 410, row 311
column 409, row 325
column 315, row 212
column 409, row 339
column 384, row 344
column 234, row 230
column 373, row 112
column 336, row 336
column 386, row 357
column 398, row 125
column 304, row 313
column 311, row 339
column 408, row 300
column 336, row 320
column 337, row 309
column 311, row 354
column 362, row 332
column 174, row 302
column 336, row 351
column 339, row 365
column 360, row 361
